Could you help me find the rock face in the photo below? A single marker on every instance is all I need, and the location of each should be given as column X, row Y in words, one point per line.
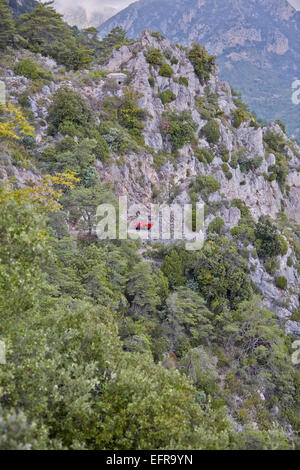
column 137, row 176
column 152, row 175
column 257, row 44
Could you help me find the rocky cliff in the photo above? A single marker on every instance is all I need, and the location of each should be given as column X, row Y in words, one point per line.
column 255, row 167
column 257, row 44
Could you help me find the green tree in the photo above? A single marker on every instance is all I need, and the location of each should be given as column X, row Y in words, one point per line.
column 180, row 127
column 173, row 269
column 203, row 63
column 7, row 25
column 154, row 408
column 269, row 242
column 45, row 32
column 82, row 204
column 211, row 131
column 142, row 291
column 22, row 253
column 221, row 273
column 187, row 320
column 69, row 113
column 16, row 433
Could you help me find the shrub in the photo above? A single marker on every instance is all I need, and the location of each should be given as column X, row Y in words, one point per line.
column 130, row 115
column 69, row 112
column 240, row 116
column 102, row 150
column 268, row 241
column 216, row 225
column 204, row 155
column 180, row 127
column 281, row 282
column 151, row 81
column 203, row 63
column 207, row 106
column 184, row 81
column 234, row 161
column 211, row 131
column 119, row 141
column 246, row 164
column 30, row 69
column 271, row 266
column 208, row 184
column 224, row 152
column 165, row 70
column 274, row 141
column 281, row 125
column 154, row 56
column 167, row 97
column 157, row 35
column 243, row 232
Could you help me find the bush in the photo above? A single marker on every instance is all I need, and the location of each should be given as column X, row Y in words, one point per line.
column 118, row 141
column 154, row 56
column 234, row 161
column 216, row 225
column 274, row 141
column 224, row 152
column 281, row 125
column 102, row 150
column 225, row 168
column 69, row 113
column 130, row 115
column 180, row 127
column 167, row 97
column 249, row 164
column 211, row 131
column 157, row 35
column 165, row 70
column 281, row 282
column 269, row 242
column 204, row 155
column 151, row 81
column 240, row 116
column 206, row 185
column 271, row 266
column 203, row 63
column 31, row 70
column 184, row 81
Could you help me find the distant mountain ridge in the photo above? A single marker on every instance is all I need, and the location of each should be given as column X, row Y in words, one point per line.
column 257, row 43
column 19, row 7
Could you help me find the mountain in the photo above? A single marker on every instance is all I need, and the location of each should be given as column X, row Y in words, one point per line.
column 108, row 341
column 19, row 7
column 257, row 43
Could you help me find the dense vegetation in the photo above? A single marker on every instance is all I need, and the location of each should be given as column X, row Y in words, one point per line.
column 110, row 345
column 43, row 30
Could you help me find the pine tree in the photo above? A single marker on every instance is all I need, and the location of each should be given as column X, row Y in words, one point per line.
column 7, row 26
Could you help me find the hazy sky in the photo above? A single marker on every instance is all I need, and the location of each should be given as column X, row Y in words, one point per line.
column 295, row 3
column 95, row 5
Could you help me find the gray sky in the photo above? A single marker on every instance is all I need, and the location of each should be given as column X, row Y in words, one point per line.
column 94, row 5
column 295, row 3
